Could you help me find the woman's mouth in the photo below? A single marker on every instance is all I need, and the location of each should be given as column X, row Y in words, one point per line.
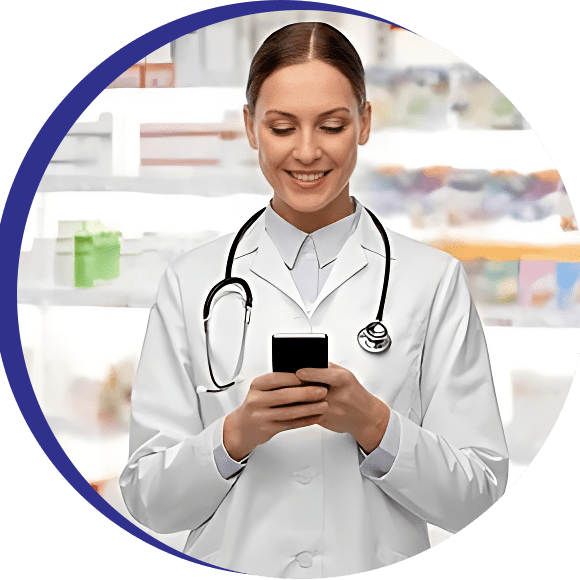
column 308, row 180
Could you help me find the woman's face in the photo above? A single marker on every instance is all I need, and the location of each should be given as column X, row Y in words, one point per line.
column 306, row 129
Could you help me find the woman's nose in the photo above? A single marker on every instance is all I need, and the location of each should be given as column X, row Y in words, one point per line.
column 307, row 148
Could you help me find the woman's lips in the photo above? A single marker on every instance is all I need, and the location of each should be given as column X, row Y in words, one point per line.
column 310, row 183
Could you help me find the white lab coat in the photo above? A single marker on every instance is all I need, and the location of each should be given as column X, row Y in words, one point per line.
column 301, row 507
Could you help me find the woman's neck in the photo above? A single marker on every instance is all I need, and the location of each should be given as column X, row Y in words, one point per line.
column 309, row 222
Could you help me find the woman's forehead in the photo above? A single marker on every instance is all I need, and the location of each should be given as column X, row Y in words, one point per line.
column 309, row 86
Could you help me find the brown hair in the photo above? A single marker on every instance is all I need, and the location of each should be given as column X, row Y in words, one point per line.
column 303, row 42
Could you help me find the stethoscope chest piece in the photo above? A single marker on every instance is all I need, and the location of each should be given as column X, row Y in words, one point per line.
column 374, row 337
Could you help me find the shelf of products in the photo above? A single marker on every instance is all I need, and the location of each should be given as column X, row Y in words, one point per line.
column 525, row 269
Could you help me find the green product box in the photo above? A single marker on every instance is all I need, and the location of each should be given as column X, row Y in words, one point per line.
column 97, row 257
column 107, row 250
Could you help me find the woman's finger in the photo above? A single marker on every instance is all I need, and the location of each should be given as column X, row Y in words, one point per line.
column 329, row 376
column 297, row 423
column 293, row 395
column 275, row 381
column 285, row 414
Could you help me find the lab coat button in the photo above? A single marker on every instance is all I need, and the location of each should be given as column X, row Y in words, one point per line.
column 303, row 476
column 304, row 559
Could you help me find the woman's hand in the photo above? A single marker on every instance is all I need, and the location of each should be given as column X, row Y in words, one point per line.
column 261, row 415
column 351, row 408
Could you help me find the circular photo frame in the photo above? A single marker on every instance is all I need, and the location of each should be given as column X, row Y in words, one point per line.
column 528, row 294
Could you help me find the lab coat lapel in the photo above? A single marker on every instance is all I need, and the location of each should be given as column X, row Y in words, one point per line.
column 268, row 264
column 350, row 260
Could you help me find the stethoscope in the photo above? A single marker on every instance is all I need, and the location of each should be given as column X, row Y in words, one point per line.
column 373, row 338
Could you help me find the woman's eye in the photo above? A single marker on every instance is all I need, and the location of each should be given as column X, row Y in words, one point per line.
column 325, row 128
column 332, row 129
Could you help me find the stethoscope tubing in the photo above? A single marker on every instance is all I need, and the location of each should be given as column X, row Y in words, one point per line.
column 373, row 338
column 383, row 233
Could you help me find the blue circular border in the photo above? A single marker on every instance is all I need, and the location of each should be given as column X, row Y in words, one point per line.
column 20, row 199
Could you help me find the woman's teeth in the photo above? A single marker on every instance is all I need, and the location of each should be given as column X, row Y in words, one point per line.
column 304, row 177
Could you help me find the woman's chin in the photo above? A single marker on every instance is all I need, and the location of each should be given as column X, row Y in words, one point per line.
column 305, row 203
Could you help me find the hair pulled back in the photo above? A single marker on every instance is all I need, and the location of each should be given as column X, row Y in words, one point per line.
column 303, row 42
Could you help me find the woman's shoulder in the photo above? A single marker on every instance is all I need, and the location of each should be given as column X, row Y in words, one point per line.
column 419, row 254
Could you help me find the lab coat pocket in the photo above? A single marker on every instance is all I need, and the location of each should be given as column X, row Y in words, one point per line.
column 192, row 549
column 193, row 537
column 193, row 546
column 387, row 556
column 215, row 405
column 414, row 412
column 209, row 559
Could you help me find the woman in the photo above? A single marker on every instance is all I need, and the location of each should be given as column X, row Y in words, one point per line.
column 278, row 475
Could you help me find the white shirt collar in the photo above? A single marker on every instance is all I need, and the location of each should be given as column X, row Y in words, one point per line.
column 328, row 240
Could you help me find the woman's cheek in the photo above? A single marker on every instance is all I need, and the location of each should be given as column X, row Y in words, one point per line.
column 271, row 153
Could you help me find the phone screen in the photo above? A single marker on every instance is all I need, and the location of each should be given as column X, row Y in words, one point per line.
column 291, row 352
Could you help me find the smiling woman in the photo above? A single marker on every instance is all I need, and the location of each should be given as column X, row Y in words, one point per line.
column 306, row 113
column 306, row 127
column 327, row 471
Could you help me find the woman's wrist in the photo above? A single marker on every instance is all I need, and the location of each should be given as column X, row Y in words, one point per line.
column 375, row 426
column 233, row 442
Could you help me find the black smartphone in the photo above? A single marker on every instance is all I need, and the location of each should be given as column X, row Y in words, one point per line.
column 291, row 352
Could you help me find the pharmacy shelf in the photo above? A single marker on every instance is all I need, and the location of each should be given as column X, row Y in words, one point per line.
column 498, row 239
column 529, row 317
column 489, row 149
column 505, row 239
column 230, row 181
column 101, row 296
column 144, row 297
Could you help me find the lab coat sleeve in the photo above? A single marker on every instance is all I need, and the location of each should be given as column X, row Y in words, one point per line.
column 378, row 462
column 227, row 466
column 453, row 466
column 171, row 482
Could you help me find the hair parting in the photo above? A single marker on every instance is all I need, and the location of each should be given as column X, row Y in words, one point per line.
column 300, row 43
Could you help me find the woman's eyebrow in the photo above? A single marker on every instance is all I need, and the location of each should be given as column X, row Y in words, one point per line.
column 326, row 113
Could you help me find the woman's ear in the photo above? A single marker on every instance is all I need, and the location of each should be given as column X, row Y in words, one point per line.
column 365, row 124
column 250, row 130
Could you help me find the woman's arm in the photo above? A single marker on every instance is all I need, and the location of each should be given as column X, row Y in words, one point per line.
column 171, row 482
column 453, row 466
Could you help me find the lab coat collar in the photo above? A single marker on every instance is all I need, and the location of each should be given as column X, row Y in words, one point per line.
column 289, row 238
column 265, row 261
column 370, row 237
column 268, row 264
column 252, row 238
column 328, row 240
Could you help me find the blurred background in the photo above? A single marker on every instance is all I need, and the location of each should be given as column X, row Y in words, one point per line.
column 159, row 164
